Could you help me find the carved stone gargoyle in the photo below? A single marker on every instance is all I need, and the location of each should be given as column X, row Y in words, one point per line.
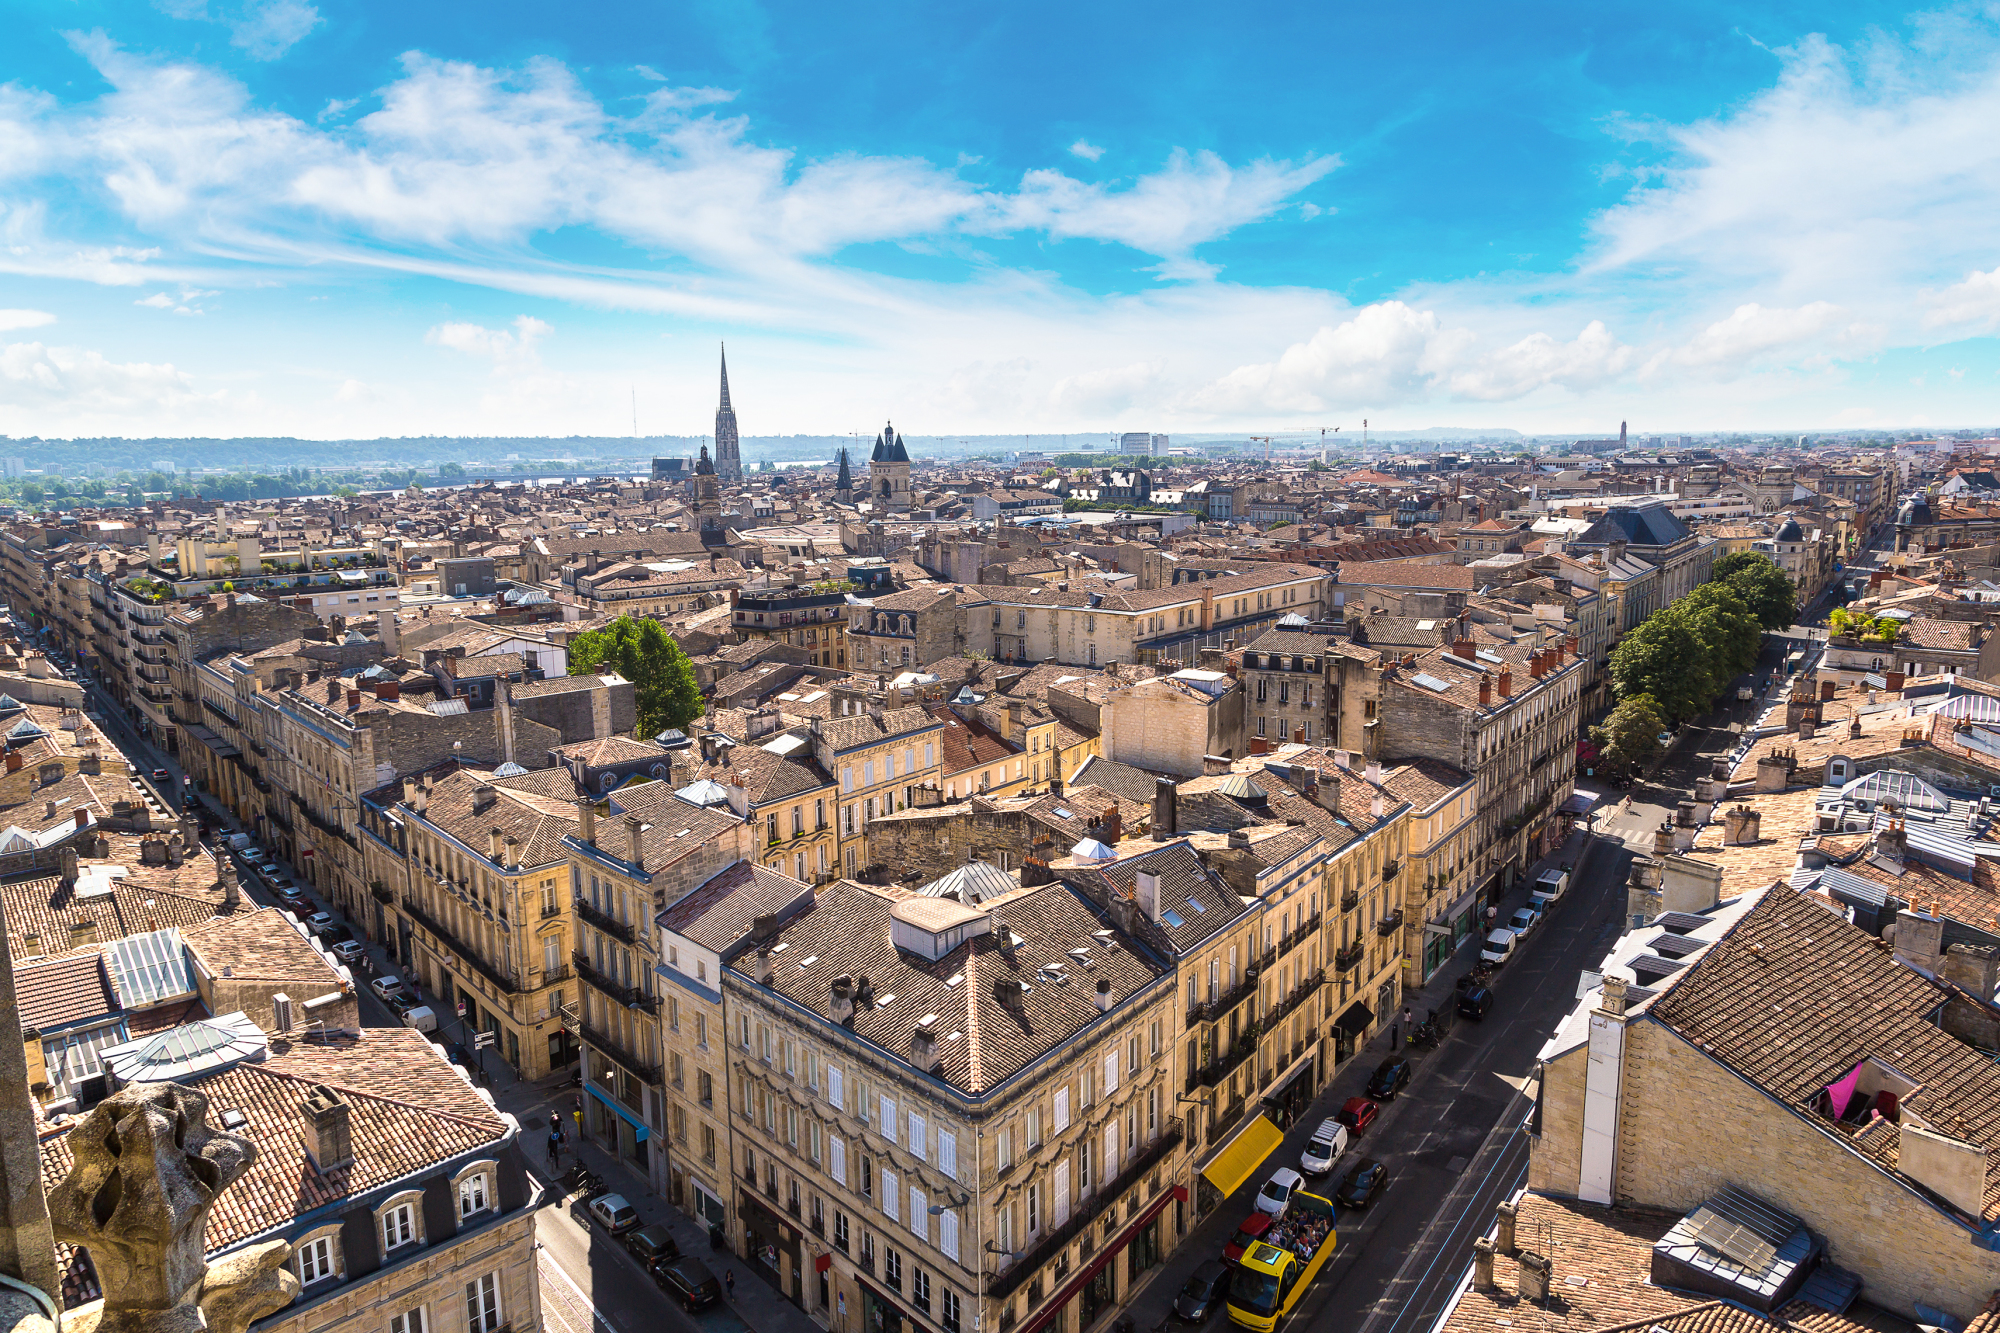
column 147, row 1169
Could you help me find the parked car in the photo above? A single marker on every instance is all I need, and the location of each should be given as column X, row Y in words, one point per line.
column 291, row 895
column 1277, row 1192
column 1357, row 1113
column 350, row 951
column 420, row 1017
column 1499, row 947
column 1359, row 1187
column 688, row 1281
column 1252, row 1231
column 387, row 987
column 1475, row 1002
column 1524, row 921
column 336, row 935
column 652, row 1243
column 1207, row 1290
column 1550, row 886
column 1390, row 1077
column 614, row 1214
column 1329, row 1141
column 320, row 922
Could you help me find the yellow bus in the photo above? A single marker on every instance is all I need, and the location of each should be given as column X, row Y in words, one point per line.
column 1275, row 1272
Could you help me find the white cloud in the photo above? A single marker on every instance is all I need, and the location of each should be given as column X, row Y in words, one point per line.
column 504, row 347
column 1086, row 150
column 1752, row 330
column 158, row 300
column 1974, row 302
column 268, row 29
column 74, row 380
column 11, row 320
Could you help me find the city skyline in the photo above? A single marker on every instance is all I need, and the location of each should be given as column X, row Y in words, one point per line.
column 264, row 217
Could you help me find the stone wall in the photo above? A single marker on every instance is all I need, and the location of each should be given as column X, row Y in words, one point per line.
column 435, row 1279
column 933, row 843
column 1680, row 1105
column 1555, row 1165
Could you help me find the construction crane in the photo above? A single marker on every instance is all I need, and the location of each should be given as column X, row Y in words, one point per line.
column 1267, row 445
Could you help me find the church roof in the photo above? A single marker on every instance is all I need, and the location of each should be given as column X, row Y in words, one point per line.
column 703, row 467
column 889, row 447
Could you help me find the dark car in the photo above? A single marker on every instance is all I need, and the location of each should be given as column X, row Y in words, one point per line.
column 1390, row 1078
column 1357, row 1113
column 1359, row 1187
column 652, row 1243
column 161, row 775
column 1252, row 1231
column 688, row 1280
column 1475, row 1002
column 1205, row 1291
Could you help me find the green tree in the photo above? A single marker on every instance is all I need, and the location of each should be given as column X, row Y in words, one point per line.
column 1631, row 734
column 1662, row 658
column 642, row 652
column 1758, row 581
column 32, row 492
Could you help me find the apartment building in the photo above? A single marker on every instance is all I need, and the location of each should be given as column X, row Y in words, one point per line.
column 1299, row 686
column 636, row 852
column 1507, row 716
column 792, row 796
column 1441, row 904
column 880, row 757
column 944, row 1118
column 813, row 617
column 468, row 882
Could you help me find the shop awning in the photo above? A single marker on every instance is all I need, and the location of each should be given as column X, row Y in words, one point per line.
column 1580, row 802
column 1245, row 1153
column 1356, row 1020
column 639, row 1129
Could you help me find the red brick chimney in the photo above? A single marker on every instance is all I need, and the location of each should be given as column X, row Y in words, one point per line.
column 1113, row 825
column 1485, row 690
column 1506, row 682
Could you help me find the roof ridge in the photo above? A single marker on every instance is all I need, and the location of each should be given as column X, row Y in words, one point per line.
column 363, row 1093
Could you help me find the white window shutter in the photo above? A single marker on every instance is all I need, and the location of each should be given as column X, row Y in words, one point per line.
column 1110, row 1152
column 889, row 1119
column 1062, row 1109
column 948, row 1235
column 836, row 1093
column 889, row 1193
column 836, row 1159
column 919, row 1137
column 920, row 1213
column 1111, row 1073
column 948, row 1153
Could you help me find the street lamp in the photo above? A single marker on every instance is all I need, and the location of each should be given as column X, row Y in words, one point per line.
column 940, row 1209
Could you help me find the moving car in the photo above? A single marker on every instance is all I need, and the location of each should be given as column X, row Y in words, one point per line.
column 1499, row 947
column 1252, row 1231
column 652, row 1243
column 1206, row 1289
column 1524, row 920
column 1329, row 1141
column 1277, row 1272
column 161, row 775
column 1357, row 1113
column 1278, row 1191
column 387, row 987
column 1475, row 1002
column 688, row 1281
column 614, row 1214
column 1360, row 1186
column 1390, row 1077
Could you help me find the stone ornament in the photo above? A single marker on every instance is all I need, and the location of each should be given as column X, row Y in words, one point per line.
column 147, row 1170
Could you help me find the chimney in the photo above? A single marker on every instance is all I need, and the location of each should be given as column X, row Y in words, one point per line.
column 1166, row 809
column 1614, row 996
column 841, row 1009
column 281, row 1012
column 1482, row 1264
column 82, row 817
column 1214, row 765
column 225, row 878
column 1503, row 1227
column 1113, row 825
column 1485, row 691
column 483, row 797
column 1535, row 1269
column 1463, row 646
column 1894, row 680
column 1892, row 844
column 386, row 632
column 493, row 846
column 924, row 1046
column 388, row 690
column 586, row 818
column 354, row 699
column 636, row 853
column 1146, row 889
column 761, row 965
column 14, row 761
column 323, row 1122
column 1806, row 729
column 1506, row 681
column 1974, row 968
column 1104, row 995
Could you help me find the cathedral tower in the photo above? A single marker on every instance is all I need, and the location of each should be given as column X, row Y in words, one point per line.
column 704, row 498
column 889, row 473
column 728, row 462
column 843, row 485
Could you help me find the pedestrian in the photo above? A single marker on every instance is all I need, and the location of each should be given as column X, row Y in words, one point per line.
column 729, row 1282
column 1392, row 1036
column 555, row 1147
column 1409, row 1019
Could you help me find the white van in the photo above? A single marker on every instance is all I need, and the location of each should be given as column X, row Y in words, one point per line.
column 1499, row 947
column 1329, row 1141
column 421, row 1018
column 1548, row 888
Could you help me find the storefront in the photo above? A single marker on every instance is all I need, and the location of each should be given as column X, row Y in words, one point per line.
column 771, row 1247
column 1096, row 1289
column 1292, row 1091
column 615, row 1124
column 1440, row 941
column 1349, row 1029
column 879, row 1314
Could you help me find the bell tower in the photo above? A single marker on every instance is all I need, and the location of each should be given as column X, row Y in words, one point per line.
column 889, row 473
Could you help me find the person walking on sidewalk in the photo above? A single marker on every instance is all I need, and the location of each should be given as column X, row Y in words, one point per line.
column 1392, row 1036
column 1409, row 1020
column 729, row 1282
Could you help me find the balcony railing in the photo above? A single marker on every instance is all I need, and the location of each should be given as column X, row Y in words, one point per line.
column 605, row 1044
column 629, row 996
column 382, row 892
column 460, row 950
column 1300, row 994
column 610, row 925
column 1305, row 931
column 1389, row 869
column 1223, row 1066
column 1223, row 1003
column 1350, row 900
column 1087, row 1210
column 1349, row 958
column 1390, row 924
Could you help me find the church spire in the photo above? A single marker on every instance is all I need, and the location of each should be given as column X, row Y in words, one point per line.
column 725, row 377
column 728, row 456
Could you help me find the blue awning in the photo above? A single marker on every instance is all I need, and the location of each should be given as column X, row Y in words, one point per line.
column 639, row 1129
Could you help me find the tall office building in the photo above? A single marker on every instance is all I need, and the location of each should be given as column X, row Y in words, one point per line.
column 728, row 461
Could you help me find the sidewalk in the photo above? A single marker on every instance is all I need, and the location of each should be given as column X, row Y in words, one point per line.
column 1152, row 1307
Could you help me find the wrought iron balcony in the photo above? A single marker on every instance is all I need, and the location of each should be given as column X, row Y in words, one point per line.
column 1389, row 870
column 1087, row 1210
column 1350, row 900
column 606, row 1045
column 461, row 952
column 629, row 996
column 610, row 925
column 1223, row 1066
column 1349, row 958
column 1390, row 924
column 1206, row 1010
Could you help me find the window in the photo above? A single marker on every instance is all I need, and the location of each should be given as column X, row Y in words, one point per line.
column 409, row 1321
column 892, row 1268
column 920, row 1290
column 399, row 1226
column 947, row 1153
column 889, row 1200
column 315, row 1260
column 482, row 1304
column 835, row 1093
column 472, row 1194
column 867, row 1177
column 1111, row 1071
column 948, row 1234
column 949, row 1311
column 888, row 1125
column 1061, row 1110
column 919, row 1137
column 840, row 1231
column 836, row 1158
column 1003, row 1229
column 920, row 1213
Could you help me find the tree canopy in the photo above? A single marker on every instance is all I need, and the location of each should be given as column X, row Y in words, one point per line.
column 1758, row 581
column 1683, row 655
column 1631, row 734
column 644, row 653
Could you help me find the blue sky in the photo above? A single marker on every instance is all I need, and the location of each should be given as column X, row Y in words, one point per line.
column 325, row 218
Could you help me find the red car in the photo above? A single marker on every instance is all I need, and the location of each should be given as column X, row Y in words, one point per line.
column 1252, row 1230
column 1358, row 1114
